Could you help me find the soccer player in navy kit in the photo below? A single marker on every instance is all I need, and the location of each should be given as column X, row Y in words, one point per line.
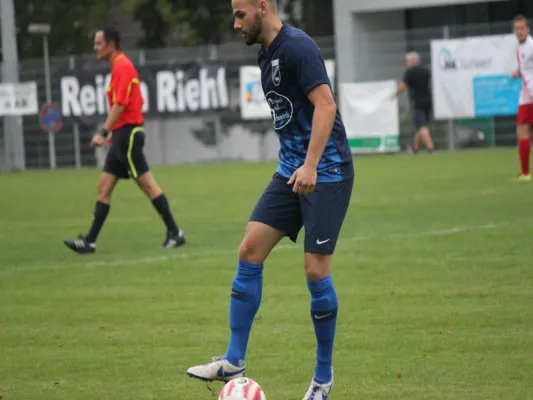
column 311, row 187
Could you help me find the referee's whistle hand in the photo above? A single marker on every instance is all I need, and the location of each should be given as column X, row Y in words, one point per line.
column 97, row 140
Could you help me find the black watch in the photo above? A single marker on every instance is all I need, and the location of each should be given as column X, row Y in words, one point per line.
column 103, row 132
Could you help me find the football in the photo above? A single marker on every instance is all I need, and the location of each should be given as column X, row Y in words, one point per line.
column 242, row 389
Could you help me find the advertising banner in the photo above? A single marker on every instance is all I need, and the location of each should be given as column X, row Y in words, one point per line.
column 370, row 116
column 471, row 77
column 168, row 91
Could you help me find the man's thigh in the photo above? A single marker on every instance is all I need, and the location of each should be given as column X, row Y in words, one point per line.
column 420, row 118
column 130, row 150
column 113, row 164
column 524, row 121
column 279, row 207
column 323, row 213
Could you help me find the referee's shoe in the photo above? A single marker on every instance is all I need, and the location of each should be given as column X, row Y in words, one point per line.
column 82, row 246
column 174, row 240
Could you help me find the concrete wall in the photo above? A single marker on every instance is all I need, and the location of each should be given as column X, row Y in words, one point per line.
column 375, row 51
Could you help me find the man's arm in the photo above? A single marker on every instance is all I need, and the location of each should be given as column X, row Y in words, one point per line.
column 400, row 89
column 114, row 115
column 126, row 78
column 516, row 73
column 322, row 125
column 312, row 77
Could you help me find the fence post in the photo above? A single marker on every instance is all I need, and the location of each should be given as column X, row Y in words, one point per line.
column 450, row 122
column 7, row 148
column 13, row 129
column 76, row 130
column 213, row 55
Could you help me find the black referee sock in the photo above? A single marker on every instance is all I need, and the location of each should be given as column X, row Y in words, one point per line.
column 100, row 214
column 161, row 205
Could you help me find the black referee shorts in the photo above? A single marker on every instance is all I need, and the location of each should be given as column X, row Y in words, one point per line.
column 125, row 157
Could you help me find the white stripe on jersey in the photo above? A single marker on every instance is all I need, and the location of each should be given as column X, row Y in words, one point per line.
column 524, row 54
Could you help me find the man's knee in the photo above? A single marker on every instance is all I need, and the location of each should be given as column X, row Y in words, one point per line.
column 317, row 266
column 148, row 185
column 258, row 242
column 249, row 251
column 523, row 131
column 105, row 187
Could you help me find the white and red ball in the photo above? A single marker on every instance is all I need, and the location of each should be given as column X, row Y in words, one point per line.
column 242, row 389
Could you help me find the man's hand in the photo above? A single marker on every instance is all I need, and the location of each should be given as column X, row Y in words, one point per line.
column 304, row 180
column 515, row 74
column 97, row 140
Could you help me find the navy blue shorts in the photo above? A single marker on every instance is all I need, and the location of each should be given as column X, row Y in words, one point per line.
column 321, row 212
column 421, row 117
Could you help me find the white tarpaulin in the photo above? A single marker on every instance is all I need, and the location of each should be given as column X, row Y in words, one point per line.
column 18, row 99
column 370, row 116
column 252, row 99
column 471, row 77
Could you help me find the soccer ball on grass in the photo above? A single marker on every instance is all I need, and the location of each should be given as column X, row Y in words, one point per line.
column 242, row 389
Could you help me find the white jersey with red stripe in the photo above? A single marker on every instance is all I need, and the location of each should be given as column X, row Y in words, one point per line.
column 524, row 53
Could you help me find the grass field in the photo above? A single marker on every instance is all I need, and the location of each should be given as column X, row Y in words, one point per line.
column 434, row 274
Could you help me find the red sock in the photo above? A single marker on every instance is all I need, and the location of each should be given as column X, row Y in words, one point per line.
column 524, row 148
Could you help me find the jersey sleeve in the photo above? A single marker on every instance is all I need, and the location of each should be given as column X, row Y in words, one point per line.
column 125, row 79
column 305, row 58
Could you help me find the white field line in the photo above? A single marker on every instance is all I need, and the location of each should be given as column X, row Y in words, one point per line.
column 205, row 255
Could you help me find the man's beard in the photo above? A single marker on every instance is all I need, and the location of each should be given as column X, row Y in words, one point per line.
column 252, row 37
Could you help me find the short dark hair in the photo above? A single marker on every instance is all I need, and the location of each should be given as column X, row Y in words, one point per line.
column 521, row 18
column 111, row 35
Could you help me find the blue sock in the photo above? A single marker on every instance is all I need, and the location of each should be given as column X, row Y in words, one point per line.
column 324, row 306
column 246, row 295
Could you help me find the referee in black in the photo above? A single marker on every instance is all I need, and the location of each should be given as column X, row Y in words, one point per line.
column 417, row 79
column 125, row 159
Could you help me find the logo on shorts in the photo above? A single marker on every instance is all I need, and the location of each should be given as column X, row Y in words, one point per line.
column 276, row 72
column 281, row 109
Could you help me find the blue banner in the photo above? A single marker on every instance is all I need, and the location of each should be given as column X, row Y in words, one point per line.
column 496, row 95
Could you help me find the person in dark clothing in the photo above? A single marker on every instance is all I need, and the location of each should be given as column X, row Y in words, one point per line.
column 417, row 79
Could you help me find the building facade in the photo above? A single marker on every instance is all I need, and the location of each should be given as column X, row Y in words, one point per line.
column 371, row 35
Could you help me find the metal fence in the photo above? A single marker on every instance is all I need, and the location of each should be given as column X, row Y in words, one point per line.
column 227, row 136
column 447, row 134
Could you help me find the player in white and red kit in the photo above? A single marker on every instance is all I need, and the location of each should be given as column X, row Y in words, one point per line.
column 524, row 120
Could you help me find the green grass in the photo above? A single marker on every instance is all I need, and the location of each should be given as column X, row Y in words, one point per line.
column 434, row 274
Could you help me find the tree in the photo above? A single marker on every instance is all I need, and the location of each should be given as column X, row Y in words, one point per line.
column 189, row 22
column 71, row 22
column 211, row 20
column 153, row 23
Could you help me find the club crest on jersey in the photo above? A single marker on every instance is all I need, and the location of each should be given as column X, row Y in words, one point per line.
column 276, row 72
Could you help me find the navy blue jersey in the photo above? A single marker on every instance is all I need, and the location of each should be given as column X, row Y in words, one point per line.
column 290, row 68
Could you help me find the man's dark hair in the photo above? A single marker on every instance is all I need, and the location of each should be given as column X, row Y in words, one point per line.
column 521, row 18
column 111, row 35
